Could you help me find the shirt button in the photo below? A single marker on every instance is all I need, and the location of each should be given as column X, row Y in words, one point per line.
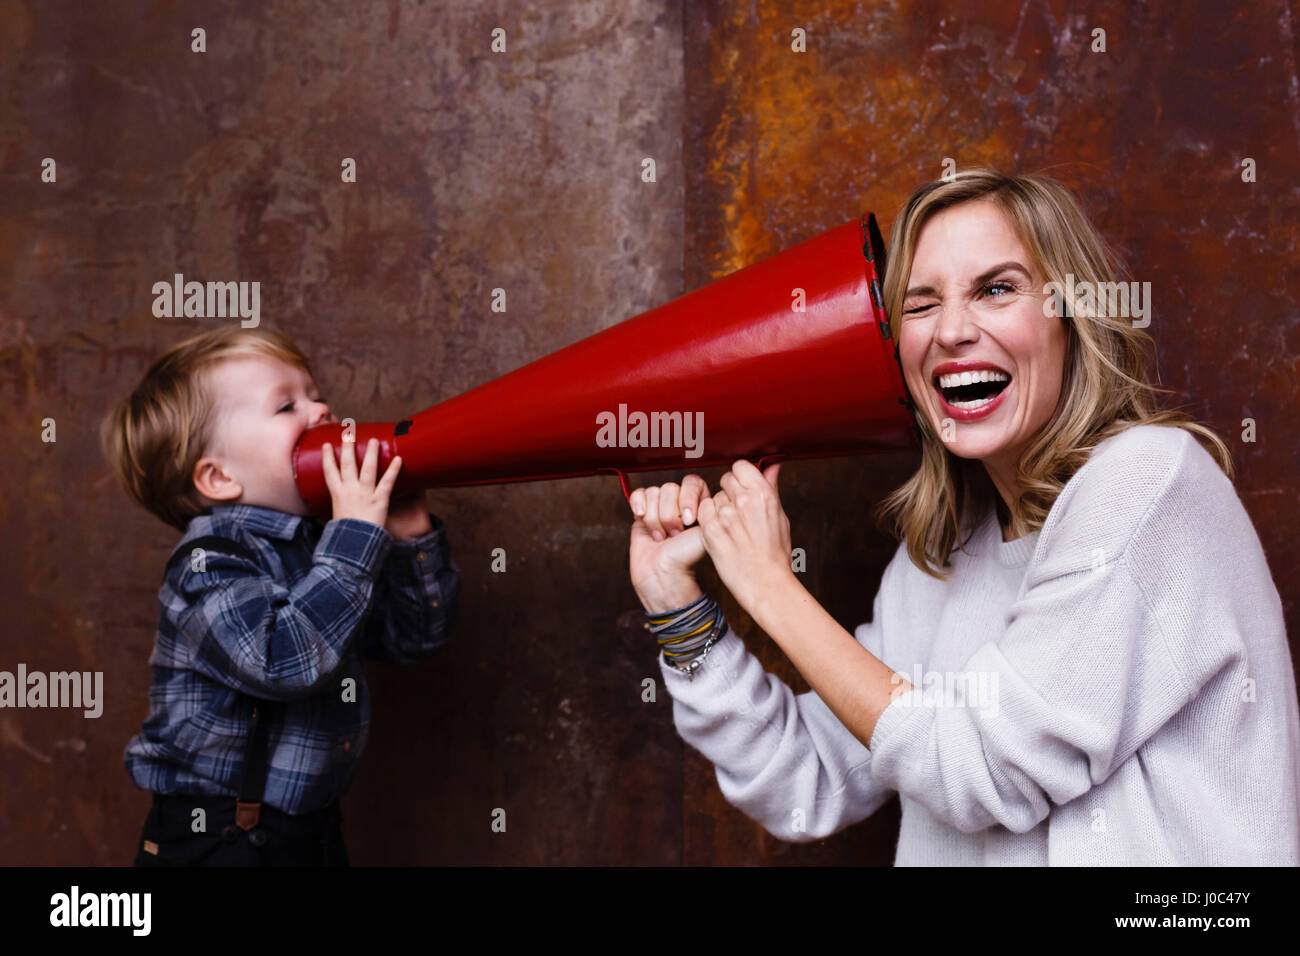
column 433, row 603
column 419, row 555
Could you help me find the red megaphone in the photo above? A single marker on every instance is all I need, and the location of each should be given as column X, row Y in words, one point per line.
column 788, row 358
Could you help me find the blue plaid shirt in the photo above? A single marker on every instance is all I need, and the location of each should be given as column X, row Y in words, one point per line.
column 292, row 627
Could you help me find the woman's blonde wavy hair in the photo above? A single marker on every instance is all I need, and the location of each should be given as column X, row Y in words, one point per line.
column 1104, row 389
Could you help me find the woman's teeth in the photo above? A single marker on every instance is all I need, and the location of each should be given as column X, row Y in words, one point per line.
column 970, row 378
column 975, row 404
column 979, row 387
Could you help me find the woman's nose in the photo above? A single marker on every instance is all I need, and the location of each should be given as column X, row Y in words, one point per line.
column 956, row 323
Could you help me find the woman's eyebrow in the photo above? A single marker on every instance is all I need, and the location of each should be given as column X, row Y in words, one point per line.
column 978, row 281
column 1001, row 267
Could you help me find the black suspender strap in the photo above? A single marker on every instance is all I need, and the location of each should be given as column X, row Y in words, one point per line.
column 252, row 782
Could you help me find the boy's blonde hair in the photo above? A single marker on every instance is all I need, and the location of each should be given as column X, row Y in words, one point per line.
column 156, row 435
column 1106, row 386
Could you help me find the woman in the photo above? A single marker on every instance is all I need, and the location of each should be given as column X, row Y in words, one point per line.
column 1077, row 654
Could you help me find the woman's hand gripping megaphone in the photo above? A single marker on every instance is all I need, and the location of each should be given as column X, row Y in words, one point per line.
column 667, row 543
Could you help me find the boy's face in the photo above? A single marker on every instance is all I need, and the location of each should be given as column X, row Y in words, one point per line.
column 263, row 408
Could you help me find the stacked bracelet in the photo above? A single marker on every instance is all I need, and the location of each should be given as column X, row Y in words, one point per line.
column 687, row 633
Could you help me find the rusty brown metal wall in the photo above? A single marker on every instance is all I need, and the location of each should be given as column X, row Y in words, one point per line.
column 522, row 171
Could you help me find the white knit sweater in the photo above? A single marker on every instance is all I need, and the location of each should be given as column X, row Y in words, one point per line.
column 1113, row 689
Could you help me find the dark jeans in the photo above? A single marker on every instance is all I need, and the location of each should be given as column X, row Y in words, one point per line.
column 309, row 839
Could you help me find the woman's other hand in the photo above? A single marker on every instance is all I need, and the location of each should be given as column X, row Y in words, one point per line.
column 747, row 533
column 667, row 543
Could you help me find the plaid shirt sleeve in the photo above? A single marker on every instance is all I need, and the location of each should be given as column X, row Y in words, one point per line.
column 250, row 633
column 417, row 597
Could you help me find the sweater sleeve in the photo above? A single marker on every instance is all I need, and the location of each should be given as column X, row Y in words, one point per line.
column 784, row 759
column 1085, row 672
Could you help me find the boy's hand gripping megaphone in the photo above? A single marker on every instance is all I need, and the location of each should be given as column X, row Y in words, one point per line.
column 788, row 358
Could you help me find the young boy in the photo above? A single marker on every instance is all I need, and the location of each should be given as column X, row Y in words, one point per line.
column 258, row 707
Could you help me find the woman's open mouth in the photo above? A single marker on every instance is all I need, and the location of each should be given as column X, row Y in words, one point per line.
column 966, row 396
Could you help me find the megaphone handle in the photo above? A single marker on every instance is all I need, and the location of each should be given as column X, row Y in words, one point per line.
column 622, row 480
column 762, row 463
